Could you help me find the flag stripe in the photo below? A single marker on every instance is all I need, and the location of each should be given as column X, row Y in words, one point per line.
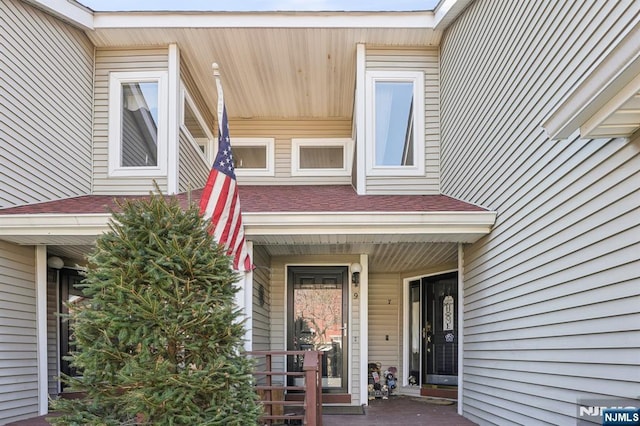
column 220, row 201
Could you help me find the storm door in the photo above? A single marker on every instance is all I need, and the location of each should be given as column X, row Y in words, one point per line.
column 433, row 330
column 317, row 320
column 70, row 296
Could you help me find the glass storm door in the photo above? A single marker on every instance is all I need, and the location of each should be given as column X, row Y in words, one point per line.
column 70, row 296
column 317, row 306
column 433, row 330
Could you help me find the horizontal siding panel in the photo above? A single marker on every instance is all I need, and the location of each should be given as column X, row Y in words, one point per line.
column 427, row 61
column 551, row 295
column 385, row 320
column 192, row 168
column 46, row 72
column 18, row 344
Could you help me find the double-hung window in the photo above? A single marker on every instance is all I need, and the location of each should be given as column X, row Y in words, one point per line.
column 138, row 123
column 395, row 123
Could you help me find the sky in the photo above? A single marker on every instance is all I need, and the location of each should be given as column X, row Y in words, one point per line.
column 261, row 5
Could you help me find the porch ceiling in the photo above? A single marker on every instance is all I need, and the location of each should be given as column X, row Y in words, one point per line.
column 279, row 65
column 383, row 258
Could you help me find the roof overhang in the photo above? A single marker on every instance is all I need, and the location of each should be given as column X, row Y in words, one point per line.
column 606, row 103
column 273, row 228
column 274, row 65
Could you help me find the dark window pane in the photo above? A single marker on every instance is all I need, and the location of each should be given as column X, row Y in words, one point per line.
column 319, row 157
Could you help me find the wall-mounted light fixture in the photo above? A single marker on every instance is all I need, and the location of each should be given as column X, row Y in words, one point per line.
column 356, row 268
column 55, row 262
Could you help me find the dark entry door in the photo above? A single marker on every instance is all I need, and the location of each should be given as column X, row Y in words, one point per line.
column 317, row 320
column 442, row 327
column 433, row 329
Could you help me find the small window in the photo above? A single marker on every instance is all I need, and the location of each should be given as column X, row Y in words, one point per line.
column 395, row 117
column 194, row 124
column 137, row 123
column 253, row 156
column 321, row 157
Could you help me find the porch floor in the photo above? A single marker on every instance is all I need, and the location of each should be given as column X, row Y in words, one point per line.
column 397, row 410
column 403, row 410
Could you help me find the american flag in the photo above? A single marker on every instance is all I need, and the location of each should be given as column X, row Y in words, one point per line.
column 221, row 203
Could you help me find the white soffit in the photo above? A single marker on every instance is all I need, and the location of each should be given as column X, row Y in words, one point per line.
column 620, row 117
column 112, row 20
column 604, row 103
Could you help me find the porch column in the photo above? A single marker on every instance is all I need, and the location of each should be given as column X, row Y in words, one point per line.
column 244, row 300
column 41, row 326
column 460, row 325
column 364, row 329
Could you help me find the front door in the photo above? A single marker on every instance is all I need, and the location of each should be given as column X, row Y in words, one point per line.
column 317, row 320
column 433, row 329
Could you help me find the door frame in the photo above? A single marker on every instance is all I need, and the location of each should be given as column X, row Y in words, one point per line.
column 346, row 317
column 406, row 320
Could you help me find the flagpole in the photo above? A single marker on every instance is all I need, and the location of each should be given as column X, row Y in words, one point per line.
column 216, row 75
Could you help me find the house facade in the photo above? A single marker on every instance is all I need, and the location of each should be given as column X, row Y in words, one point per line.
column 452, row 193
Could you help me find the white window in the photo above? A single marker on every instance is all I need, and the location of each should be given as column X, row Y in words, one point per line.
column 138, row 123
column 395, row 123
column 321, row 157
column 194, row 124
column 253, row 156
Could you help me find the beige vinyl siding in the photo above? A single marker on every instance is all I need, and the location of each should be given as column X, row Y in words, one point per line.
column 552, row 294
column 427, row 61
column 192, row 169
column 261, row 311
column 385, row 302
column 53, row 369
column 46, row 71
column 18, row 340
column 261, row 307
column 107, row 61
column 283, row 131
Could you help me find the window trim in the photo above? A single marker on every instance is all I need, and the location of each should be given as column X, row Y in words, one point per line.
column 208, row 154
column 417, row 79
column 269, row 145
column 347, row 156
column 116, row 79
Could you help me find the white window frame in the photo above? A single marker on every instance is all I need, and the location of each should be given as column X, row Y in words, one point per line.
column 417, row 79
column 116, row 79
column 347, row 156
column 209, row 149
column 269, row 146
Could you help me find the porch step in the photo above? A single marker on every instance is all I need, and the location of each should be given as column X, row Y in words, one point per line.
column 438, row 391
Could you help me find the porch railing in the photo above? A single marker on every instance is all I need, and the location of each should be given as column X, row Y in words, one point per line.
column 274, row 393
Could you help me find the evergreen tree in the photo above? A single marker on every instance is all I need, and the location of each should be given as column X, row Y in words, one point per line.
column 159, row 338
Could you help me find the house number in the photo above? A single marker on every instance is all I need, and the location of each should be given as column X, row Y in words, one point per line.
column 355, row 295
column 447, row 313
